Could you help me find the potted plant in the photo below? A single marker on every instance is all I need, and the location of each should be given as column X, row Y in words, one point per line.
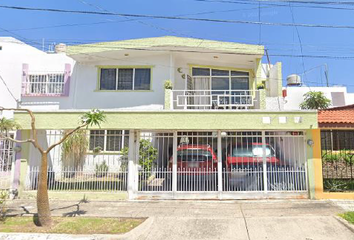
column 168, row 84
column 261, row 85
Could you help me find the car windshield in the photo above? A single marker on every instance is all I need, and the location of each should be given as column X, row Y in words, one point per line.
column 252, row 151
column 189, row 155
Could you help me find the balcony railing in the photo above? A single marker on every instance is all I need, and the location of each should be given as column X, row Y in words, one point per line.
column 214, row 99
column 52, row 84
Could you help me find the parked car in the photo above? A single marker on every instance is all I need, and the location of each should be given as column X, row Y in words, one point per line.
column 244, row 163
column 195, row 159
column 196, row 168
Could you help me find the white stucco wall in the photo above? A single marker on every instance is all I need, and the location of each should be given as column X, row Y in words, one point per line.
column 13, row 55
column 84, row 79
column 295, row 95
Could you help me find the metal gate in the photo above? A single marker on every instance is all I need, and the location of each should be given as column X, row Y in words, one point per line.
column 337, row 160
column 222, row 163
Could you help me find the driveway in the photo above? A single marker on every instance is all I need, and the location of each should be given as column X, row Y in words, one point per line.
column 246, row 220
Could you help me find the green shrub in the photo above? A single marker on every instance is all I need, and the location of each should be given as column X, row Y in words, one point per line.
column 147, row 154
column 3, row 198
column 124, row 159
column 102, row 169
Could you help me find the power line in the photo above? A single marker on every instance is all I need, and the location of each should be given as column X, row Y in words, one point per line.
column 180, row 18
column 8, row 89
column 298, row 36
column 274, row 4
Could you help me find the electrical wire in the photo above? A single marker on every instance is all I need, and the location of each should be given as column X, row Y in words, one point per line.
column 180, row 18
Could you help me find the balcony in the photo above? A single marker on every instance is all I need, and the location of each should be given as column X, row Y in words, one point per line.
column 44, row 84
column 215, row 99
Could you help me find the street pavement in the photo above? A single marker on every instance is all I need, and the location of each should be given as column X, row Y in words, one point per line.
column 244, row 220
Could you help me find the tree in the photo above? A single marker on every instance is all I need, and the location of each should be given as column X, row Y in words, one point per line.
column 315, row 100
column 92, row 118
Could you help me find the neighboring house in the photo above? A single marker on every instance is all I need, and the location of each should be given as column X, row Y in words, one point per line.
column 25, row 71
column 295, row 96
column 337, row 145
column 214, row 135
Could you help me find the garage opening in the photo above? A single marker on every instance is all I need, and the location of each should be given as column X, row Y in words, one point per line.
column 222, row 163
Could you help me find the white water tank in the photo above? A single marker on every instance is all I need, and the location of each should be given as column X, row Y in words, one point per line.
column 60, row 48
column 293, row 80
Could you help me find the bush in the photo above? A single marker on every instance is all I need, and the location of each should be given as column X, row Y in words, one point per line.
column 3, row 197
column 147, row 154
column 345, row 156
column 101, row 169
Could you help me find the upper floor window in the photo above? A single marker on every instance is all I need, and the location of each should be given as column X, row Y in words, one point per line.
column 45, row 84
column 125, row 78
column 217, row 79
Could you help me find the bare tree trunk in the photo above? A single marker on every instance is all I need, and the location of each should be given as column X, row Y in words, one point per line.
column 44, row 215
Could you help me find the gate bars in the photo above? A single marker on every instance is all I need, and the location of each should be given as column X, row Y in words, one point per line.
column 233, row 161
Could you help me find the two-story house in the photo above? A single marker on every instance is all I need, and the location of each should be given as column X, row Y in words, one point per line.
column 186, row 118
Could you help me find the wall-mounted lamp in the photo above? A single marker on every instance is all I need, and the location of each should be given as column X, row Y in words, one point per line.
column 310, row 142
column 17, row 149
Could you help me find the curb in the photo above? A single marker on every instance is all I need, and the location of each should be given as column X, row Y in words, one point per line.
column 345, row 223
column 141, row 230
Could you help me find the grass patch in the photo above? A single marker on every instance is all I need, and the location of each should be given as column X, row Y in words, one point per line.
column 349, row 216
column 72, row 225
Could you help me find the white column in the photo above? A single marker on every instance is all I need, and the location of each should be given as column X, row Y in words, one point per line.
column 136, row 160
column 219, row 164
column 131, row 165
column 174, row 163
column 265, row 179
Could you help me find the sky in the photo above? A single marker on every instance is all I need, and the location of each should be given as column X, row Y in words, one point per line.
column 334, row 45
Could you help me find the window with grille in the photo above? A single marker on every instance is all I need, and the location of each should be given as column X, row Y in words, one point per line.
column 108, row 140
column 45, row 84
column 125, row 78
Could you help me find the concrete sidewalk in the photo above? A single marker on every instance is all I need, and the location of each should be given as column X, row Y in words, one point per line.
column 246, row 220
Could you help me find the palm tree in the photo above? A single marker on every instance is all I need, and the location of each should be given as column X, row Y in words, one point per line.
column 92, row 118
column 315, row 100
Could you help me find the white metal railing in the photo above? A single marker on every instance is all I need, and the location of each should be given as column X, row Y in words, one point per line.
column 159, row 180
column 213, row 99
column 200, row 179
column 70, row 179
column 6, row 159
column 44, row 84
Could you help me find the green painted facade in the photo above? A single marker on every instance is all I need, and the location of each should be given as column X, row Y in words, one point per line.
column 177, row 120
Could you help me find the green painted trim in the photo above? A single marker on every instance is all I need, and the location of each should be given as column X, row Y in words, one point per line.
column 176, row 120
column 123, row 90
column 99, row 67
column 125, row 66
column 249, row 70
column 251, row 82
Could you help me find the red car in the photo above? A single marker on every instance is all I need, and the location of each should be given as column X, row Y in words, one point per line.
column 244, row 163
column 195, row 159
column 250, row 155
